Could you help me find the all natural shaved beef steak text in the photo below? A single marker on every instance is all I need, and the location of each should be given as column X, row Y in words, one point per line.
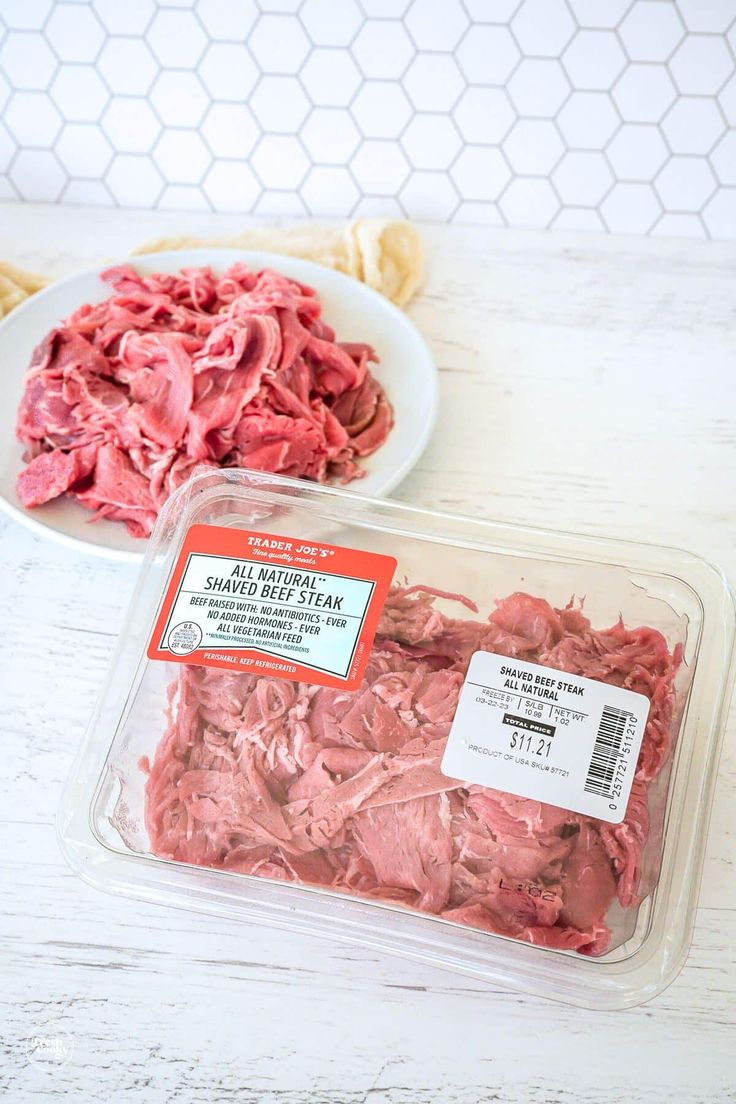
column 311, row 785
column 124, row 399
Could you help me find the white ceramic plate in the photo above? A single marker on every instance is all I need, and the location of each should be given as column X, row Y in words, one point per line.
column 406, row 370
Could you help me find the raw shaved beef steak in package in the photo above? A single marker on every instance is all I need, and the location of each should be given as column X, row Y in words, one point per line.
column 473, row 745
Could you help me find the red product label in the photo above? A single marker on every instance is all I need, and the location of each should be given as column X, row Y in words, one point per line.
column 272, row 605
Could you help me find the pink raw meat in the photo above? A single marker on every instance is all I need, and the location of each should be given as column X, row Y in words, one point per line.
column 52, row 473
column 174, row 371
column 309, row 784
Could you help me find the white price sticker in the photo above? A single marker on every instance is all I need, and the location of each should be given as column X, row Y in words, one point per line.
column 540, row 733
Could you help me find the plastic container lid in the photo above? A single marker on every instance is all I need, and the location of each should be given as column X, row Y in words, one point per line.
column 483, row 747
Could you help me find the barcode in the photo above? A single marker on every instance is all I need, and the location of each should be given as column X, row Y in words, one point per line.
column 607, row 751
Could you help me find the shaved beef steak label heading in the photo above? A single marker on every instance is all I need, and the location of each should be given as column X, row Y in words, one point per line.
column 540, row 733
column 272, row 605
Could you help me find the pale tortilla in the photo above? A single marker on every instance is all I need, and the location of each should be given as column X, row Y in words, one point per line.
column 385, row 254
column 382, row 253
column 16, row 285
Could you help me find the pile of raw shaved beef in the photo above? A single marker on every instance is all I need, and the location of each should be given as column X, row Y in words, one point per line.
column 124, row 399
column 343, row 790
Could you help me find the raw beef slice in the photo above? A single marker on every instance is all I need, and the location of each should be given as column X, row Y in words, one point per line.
column 125, row 398
column 343, row 790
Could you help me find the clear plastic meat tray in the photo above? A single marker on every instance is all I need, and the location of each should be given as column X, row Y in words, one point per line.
column 487, row 748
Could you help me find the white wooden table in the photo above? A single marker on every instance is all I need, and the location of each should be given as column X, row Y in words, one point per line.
column 588, row 384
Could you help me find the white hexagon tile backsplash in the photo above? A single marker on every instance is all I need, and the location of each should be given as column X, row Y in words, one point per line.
column 616, row 115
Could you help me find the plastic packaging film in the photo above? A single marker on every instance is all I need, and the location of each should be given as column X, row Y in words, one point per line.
column 487, row 748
